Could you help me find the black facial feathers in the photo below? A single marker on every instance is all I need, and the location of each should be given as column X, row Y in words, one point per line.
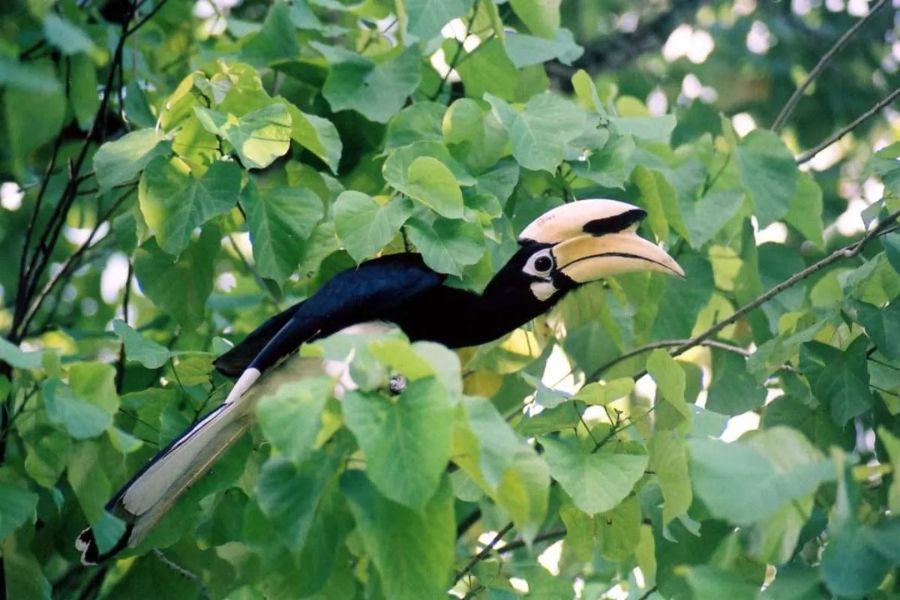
column 615, row 224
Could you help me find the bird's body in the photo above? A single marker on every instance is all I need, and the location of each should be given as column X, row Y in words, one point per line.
column 568, row 246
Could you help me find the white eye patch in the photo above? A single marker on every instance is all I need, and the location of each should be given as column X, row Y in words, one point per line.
column 540, row 264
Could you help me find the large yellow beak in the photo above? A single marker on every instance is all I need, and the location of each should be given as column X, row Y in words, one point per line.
column 592, row 239
column 586, row 258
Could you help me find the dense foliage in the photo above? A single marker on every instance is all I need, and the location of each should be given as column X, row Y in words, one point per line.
column 187, row 170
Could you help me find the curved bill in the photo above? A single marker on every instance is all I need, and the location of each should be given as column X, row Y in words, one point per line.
column 586, row 257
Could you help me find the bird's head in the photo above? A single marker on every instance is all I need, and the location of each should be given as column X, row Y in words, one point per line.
column 583, row 241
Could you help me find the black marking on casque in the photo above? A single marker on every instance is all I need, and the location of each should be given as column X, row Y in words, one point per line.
column 615, row 224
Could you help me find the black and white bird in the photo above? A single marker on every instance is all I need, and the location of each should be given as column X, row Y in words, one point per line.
column 566, row 247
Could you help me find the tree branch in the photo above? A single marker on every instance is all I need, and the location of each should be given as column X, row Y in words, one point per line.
column 792, row 102
column 848, row 251
column 809, row 154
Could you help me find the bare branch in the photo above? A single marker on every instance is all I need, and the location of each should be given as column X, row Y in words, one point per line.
column 792, row 102
column 806, row 156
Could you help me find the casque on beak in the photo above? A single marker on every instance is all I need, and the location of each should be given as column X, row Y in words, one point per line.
column 592, row 239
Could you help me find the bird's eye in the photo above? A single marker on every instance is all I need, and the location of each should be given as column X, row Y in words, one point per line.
column 540, row 264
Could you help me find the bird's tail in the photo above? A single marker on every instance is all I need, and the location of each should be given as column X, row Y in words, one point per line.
column 143, row 501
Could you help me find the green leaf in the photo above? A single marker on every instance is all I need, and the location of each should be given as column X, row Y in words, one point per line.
column 711, row 581
column 447, row 246
column 527, row 50
column 419, row 122
column 619, row 530
column 670, row 384
column 488, row 70
column 276, row 40
column 425, row 18
column 288, row 494
column 140, row 349
column 66, row 36
column 805, row 212
column 668, row 459
column 173, row 203
column 706, row 217
column 396, row 167
column 83, row 93
column 365, row 227
column 432, row 184
column 604, row 392
column 19, row 359
column 610, row 165
column 291, row 417
column 645, row 127
column 858, row 557
column 505, row 468
column 476, row 137
column 317, row 135
column 79, row 413
column 540, row 134
column 892, row 445
column 768, row 173
column 747, row 482
column 882, row 325
column 179, row 286
column 259, row 137
column 839, row 379
column 683, row 299
column 32, row 118
column 733, row 390
column 885, row 165
column 406, row 439
column 17, row 505
column 376, row 91
column 596, row 482
column 280, row 220
column 540, row 16
column 412, row 550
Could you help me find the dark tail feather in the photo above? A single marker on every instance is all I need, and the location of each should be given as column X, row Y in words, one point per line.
column 236, row 360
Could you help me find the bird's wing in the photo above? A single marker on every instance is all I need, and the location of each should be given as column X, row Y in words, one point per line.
column 376, row 288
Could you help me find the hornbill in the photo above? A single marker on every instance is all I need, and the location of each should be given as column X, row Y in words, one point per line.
column 566, row 247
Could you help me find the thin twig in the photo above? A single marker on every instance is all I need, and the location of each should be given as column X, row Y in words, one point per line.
column 69, row 263
column 552, row 534
column 459, row 48
column 147, row 17
column 809, row 154
column 792, row 102
column 189, row 575
column 485, row 552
